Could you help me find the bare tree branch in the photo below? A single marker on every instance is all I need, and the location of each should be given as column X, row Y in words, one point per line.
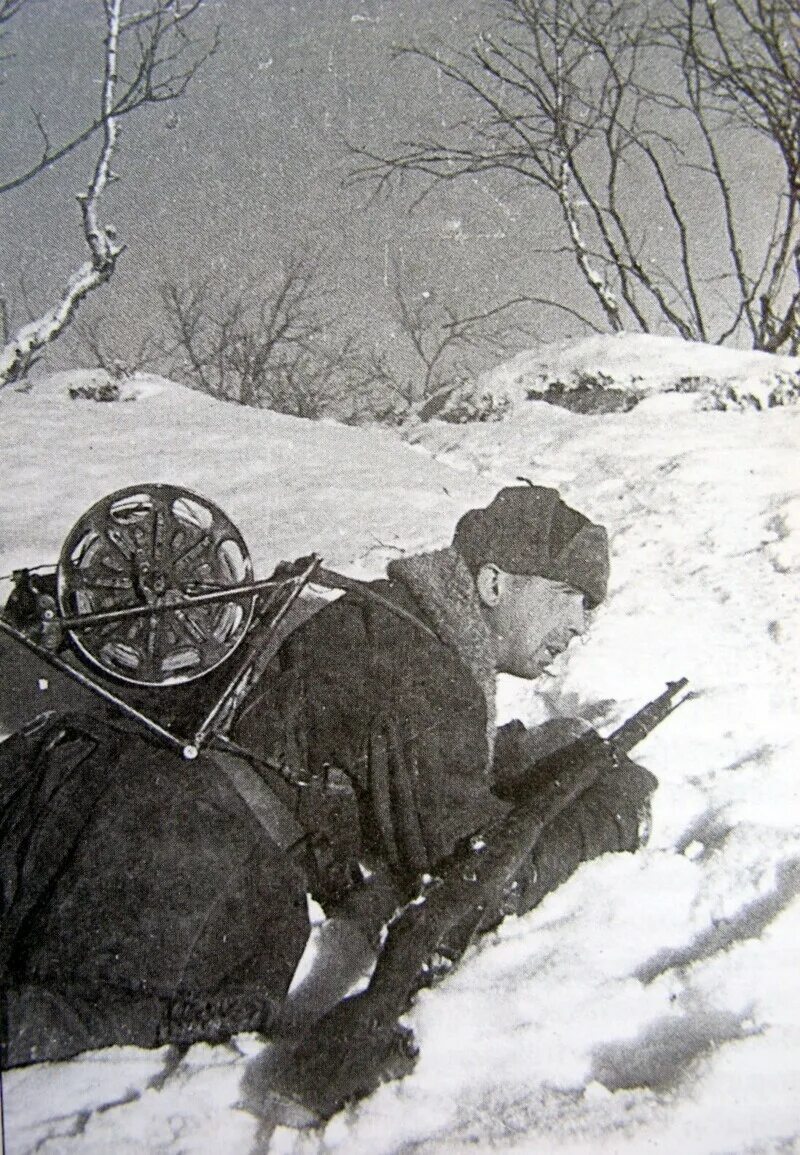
column 8, row 10
column 157, row 27
column 515, row 302
column 137, row 356
column 443, row 347
column 742, row 61
column 157, row 60
column 271, row 346
column 561, row 98
column 21, row 352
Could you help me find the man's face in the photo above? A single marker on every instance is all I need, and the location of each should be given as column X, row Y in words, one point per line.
column 533, row 619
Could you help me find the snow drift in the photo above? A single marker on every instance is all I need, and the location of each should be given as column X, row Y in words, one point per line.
column 653, row 1002
column 603, row 374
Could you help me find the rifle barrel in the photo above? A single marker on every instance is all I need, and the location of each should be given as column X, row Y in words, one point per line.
column 644, row 721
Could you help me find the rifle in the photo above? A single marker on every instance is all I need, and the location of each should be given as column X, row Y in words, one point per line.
column 359, row 1043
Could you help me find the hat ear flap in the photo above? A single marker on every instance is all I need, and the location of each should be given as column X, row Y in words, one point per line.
column 471, row 538
column 584, row 563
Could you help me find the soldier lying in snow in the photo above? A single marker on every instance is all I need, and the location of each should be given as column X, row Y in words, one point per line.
column 150, row 900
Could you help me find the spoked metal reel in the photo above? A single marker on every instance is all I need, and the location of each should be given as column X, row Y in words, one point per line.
column 150, row 564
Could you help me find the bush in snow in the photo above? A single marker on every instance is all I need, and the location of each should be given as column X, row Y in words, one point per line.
column 460, row 406
column 784, row 389
column 586, row 392
column 695, row 384
column 478, row 407
column 95, row 391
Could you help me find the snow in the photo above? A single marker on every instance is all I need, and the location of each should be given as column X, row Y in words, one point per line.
column 651, row 1004
column 637, row 365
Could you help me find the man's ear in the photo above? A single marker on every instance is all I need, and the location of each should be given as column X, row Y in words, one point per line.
column 489, row 581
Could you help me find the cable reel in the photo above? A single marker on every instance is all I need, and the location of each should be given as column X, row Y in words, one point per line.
column 152, row 563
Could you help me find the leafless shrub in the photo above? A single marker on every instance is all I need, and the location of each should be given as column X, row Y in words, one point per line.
column 442, row 347
column 99, row 347
column 274, row 346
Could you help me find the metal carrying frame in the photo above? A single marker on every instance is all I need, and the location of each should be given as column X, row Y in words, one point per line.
column 153, row 562
column 52, row 626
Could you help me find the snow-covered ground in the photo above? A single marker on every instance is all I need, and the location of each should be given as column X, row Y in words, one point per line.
column 635, row 365
column 652, row 1004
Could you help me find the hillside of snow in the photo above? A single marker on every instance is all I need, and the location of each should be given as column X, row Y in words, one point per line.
column 605, row 373
column 652, row 1004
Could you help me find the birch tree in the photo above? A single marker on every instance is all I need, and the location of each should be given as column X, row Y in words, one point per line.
column 740, row 63
column 629, row 118
column 149, row 57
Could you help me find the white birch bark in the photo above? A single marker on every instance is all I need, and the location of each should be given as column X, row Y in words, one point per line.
column 22, row 350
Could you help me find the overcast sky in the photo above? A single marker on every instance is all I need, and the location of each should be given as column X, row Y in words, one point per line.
column 249, row 166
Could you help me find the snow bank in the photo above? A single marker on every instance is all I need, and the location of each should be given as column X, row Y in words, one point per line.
column 613, row 373
column 358, row 496
column 652, row 1004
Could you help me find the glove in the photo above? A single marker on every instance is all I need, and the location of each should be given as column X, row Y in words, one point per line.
column 517, row 750
column 612, row 814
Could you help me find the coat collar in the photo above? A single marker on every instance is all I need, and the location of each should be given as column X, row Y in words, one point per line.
column 445, row 590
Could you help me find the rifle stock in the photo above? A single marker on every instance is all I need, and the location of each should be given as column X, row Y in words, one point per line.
column 359, row 1043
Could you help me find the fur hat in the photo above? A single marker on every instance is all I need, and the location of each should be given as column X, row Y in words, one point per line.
column 528, row 529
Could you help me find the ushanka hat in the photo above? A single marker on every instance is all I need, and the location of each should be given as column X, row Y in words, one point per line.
column 528, row 529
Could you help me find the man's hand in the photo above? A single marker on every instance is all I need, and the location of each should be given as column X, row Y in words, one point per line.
column 612, row 814
column 517, row 749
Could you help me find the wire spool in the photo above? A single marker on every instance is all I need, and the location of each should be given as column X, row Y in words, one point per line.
column 155, row 546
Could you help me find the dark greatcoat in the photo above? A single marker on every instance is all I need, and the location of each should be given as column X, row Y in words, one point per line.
column 404, row 723
column 141, row 901
column 363, row 690
column 144, row 902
